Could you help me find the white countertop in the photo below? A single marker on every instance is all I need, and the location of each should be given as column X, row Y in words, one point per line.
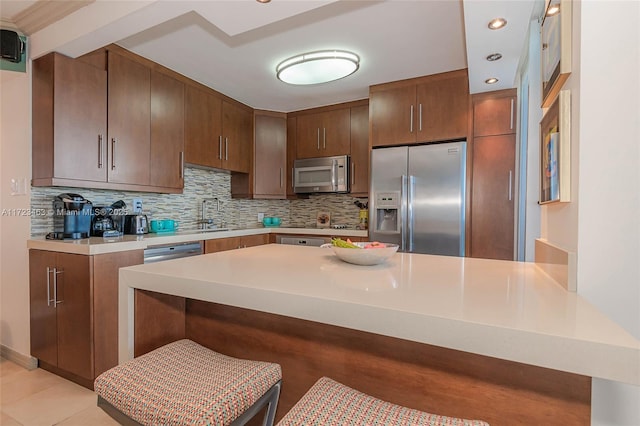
column 507, row 310
column 99, row 245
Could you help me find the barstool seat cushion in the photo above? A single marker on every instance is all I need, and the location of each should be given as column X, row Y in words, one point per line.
column 186, row 383
column 329, row 403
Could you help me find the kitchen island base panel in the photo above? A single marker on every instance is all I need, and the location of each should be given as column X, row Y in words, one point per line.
column 416, row 375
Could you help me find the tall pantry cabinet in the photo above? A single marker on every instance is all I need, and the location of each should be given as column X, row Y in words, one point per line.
column 493, row 175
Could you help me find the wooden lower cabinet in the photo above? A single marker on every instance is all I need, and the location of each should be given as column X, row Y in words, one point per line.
column 493, row 197
column 232, row 243
column 74, row 311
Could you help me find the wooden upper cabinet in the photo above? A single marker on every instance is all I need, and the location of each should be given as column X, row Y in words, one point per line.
column 359, row 172
column 237, row 133
column 69, row 120
column 426, row 109
column 292, row 123
column 271, row 155
column 129, row 115
column 494, row 115
column 203, row 128
column 167, row 132
column 323, row 134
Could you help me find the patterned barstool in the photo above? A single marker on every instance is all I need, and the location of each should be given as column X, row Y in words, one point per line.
column 184, row 383
column 329, row 403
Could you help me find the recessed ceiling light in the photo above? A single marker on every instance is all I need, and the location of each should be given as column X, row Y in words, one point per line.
column 496, row 24
column 318, row 67
column 491, row 80
column 554, row 9
column 494, row 57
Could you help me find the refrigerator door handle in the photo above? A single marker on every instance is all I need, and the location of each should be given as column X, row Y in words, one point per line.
column 403, row 214
column 411, row 187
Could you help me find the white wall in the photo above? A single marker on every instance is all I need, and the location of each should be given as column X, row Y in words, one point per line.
column 15, row 162
column 609, row 188
column 601, row 223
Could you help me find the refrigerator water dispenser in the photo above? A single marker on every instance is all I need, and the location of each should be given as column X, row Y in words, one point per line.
column 387, row 211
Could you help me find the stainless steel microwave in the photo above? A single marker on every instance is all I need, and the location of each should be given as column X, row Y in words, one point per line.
column 323, row 174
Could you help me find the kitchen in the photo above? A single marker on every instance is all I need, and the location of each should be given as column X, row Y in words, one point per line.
column 560, row 224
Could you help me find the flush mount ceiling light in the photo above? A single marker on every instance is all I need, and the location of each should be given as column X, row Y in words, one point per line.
column 491, row 80
column 496, row 24
column 317, row 67
column 494, row 57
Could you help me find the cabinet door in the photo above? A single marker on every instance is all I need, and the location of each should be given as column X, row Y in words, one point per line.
column 271, row 156
column 44, row 337
column 105, row 305
column 494, row 116
column 254, row 240
column 203, row 128
column 392, row 116
column 237, row 126
column 492, row 199
column 167, row 132
column 129, row 116
column 292, row 123
column 360, row 150
column 74, row 314
column 221, row 244
column 335, row 133
column 443, row 106
column 309, row 135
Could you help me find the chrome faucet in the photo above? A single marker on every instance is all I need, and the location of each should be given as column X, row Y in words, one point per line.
column 204, row 221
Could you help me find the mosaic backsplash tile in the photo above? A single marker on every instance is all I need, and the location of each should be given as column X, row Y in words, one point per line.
column 186, row 208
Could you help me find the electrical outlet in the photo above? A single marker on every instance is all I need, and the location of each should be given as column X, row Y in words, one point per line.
column 260, row 217
column 137, row 205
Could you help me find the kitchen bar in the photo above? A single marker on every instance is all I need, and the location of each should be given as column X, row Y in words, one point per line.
column 503, row 310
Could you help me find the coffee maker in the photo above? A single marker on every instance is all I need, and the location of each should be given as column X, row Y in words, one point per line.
column 108, row 219
column 72, row 215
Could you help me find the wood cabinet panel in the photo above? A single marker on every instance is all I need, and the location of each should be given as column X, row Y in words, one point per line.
column 494, row 116
column 69, row 120
column 360, row 150
column 492, row 212
column 105, row 303
column 129, row 114
column 159, row 320
column 443, row 107
column 203, row 128
column 237, row 127
column 44, row 337
column 254, row 240
column 425, row 109
column 292, row 123
column 391, row 116
column 221, row 244
column 270, row 155
column 167, row 132
column 323, row 134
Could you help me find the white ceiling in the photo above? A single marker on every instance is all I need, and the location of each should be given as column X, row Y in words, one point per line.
column 234, row 46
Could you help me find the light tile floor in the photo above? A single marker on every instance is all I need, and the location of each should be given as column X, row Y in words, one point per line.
column 39, row 398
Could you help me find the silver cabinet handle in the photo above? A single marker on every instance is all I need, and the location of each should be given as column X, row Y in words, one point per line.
column 49, row 271
column 511, row 116
column 324, row 138
column 55, row 287
column 353, row 173
column 220, row 147
column 292, row 176
column 411, row 119
column 181, row 164
column 226, row 149
column 420, row 118
column 100, row 141
column 113, row 153
column 281, row 177
column 318, row 138
column 510, row 185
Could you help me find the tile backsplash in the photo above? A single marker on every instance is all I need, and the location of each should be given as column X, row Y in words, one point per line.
column 186, row 208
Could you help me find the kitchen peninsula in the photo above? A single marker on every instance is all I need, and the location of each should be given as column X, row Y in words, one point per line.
column 473, row 338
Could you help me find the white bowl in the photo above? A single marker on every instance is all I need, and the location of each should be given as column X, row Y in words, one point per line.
column 362, row 256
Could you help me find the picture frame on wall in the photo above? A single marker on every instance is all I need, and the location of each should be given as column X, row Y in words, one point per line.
column 555, row 40
column 555, row 151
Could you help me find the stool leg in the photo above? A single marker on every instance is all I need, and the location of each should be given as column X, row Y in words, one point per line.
column 270, row 415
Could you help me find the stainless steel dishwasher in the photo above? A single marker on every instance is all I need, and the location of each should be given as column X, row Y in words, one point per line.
column 172, row 251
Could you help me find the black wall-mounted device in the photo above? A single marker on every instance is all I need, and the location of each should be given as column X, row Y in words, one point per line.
column 12, row 46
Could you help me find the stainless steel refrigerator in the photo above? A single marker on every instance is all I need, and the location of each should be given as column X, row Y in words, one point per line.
column 417, row 197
